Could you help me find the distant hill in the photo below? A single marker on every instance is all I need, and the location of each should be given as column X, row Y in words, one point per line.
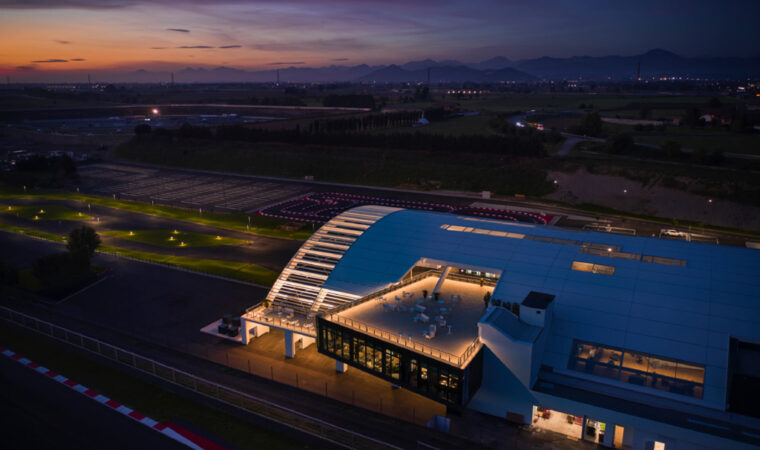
column 654, row 63
column 443, row 74
column 496, row 63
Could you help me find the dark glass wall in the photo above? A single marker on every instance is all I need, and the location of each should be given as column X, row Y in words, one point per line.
column 432, row 378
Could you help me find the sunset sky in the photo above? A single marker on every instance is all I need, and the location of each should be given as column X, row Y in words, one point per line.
column 101, row 35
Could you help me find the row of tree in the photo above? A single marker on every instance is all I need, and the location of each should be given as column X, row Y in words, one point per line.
column 518, row 144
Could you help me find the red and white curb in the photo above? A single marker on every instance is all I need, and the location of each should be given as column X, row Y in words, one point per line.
column 169, row 429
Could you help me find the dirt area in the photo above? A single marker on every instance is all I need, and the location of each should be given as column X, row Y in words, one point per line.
column 651, row 199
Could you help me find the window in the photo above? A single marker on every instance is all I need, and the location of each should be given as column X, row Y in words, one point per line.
column 638, row 368
column 593, row 268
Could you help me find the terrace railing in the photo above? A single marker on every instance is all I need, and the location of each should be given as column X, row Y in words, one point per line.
column 385, row 290
column 411, row 344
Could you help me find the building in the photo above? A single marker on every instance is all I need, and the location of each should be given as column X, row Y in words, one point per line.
column 621, row 340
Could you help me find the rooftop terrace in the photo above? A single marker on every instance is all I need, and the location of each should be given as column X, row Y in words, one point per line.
column 405, row 317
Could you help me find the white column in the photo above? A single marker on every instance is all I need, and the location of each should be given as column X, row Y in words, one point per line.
column 244, row 331
column 290, row 345
column 340, row 366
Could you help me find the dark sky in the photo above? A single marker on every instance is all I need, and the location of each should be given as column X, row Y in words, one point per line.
column 66, row 35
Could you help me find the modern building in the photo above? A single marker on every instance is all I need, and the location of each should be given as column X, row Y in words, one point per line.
column 635, row 342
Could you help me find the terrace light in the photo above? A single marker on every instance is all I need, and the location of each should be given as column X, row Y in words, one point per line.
column 182, row 244
column 42, row 211
column 9, row 208
column 218, row 238
column 175, row 232
column 131, row 233
column 171, row 238
column 36, row 217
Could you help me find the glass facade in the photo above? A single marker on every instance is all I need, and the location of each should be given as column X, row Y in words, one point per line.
column 638, row 368
column 431, row 378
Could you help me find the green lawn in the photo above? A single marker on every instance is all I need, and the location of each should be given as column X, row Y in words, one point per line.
column 34, row 233
column 43, row 212
column 251, row 273
column 144, row 397
column 173, row 238
column 266, row 226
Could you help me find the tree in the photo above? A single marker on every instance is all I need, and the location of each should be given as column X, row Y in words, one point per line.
column 621, row 143
column 142, row 129
column 82, row 244
column 591, row 124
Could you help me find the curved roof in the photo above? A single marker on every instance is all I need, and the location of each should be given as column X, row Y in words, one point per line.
column 300, row 285
column 670, row 298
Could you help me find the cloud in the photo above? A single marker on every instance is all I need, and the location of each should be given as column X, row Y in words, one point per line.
column 77, row 59
column 195, row 46
column 178, row 30
column 25, row 68
column 339, row 59
column 285, row 63
column 62, row 42
column 44, row 61
column 230, row 46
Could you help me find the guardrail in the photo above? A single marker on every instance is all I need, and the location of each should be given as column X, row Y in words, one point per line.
column 249, row 403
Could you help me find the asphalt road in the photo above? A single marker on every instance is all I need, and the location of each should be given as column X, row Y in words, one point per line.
column 41, row 413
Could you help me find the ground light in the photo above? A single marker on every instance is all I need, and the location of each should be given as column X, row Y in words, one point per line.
column 131, row 233
column 42, row 211
column 182, row 244
column 36, row 217
column 9, row 208
column 175, row 232
column 171, row 238
column 218, row 238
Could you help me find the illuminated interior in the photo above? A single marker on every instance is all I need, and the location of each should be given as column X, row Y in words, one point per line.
column 638, row 368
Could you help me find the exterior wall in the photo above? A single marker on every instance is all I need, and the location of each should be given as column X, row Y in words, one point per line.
column 516, row 355
column 502, row 394
column 639, row 430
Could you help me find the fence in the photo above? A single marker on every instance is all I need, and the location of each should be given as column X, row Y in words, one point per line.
column 261, row 407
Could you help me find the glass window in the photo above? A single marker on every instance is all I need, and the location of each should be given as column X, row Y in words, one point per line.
column 636, row 361
column 638, row 368
column 662, row 367
column 346, row 346
column 413, row 372
column 690, row 372
column 392, row 364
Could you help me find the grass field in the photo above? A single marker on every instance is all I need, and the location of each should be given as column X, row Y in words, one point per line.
column 173, row 238
column 33, row 233
column 251, row 273
column 139, row 395
column 266, row 226
column 43, row 212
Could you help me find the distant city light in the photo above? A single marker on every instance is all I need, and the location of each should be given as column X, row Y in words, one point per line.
column 155, row 110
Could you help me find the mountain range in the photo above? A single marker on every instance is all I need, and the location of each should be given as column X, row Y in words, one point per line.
column 654, row 63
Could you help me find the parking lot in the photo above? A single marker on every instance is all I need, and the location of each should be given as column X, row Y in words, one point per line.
column 208, row 192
